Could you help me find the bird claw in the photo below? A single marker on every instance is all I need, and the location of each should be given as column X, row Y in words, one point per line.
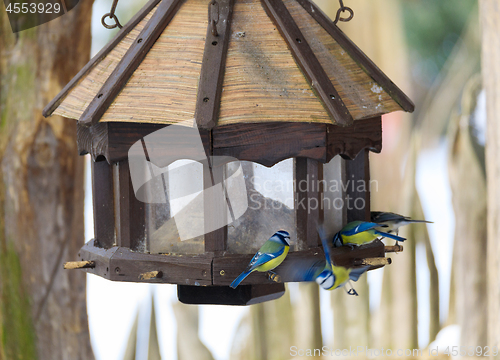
column 353, row 292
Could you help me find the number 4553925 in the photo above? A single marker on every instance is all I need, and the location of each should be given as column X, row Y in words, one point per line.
column 471, row 351
column 33, row 8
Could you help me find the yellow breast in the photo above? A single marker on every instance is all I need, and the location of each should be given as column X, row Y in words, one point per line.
column 359, row 239
column 274, row 262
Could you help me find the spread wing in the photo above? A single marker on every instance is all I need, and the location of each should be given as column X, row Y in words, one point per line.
column 326, row 249
column 305, row 270
column 356, row 273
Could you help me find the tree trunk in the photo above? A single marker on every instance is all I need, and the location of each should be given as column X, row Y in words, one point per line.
column 42, row 307
column 468, row 185
column 189, row 345
column 490, row 19
column 351, row 316
column 272, row 331
column 308, row 318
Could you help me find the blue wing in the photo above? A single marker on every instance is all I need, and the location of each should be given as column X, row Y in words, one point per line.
column 326, row 249
column 305, row 270
column 356, row 273
column 362, row 226
column 261, row 258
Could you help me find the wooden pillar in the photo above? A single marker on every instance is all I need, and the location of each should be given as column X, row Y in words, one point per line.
column 357, row 183
column 104, row 216
column 130, row 213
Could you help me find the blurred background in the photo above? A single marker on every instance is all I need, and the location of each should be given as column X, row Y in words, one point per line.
column 432, row 166
column 431, row 49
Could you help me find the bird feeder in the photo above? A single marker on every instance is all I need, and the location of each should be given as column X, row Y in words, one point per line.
column 267, row 87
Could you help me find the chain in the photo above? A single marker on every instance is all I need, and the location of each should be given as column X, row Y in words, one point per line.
column 341, row 10
column 111, row 15
column 211, row 19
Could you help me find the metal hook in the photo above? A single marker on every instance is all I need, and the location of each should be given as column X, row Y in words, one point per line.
column 111, row 15
column 341, row 10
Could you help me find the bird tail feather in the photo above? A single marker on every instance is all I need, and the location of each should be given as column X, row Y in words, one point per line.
column 240, row 278
column 391, row 236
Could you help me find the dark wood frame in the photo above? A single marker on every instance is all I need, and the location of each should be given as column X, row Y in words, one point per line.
column 119, row 255
column 266, row 143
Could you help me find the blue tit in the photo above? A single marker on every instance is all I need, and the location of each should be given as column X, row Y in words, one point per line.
column 338, row 276
column 361, row 232
column 392, row 221
column 269, row 256
column 332, row 277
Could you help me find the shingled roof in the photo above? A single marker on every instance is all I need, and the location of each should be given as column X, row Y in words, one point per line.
column 267, row 61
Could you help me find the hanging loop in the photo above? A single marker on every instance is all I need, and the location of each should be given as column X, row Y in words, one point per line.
column 341, row 10
column 111, row 15
column 213, row 16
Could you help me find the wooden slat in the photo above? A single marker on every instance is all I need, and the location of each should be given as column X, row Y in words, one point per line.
column 369, row 67
column 305, row 58
column 123, row 135
column 104, row 215
column 136, row 53
column 308, row 212
column 213, row 66
column 54, row 103
column 185, row 269
column 122, row 264
column 358, row 196
column 269, row 143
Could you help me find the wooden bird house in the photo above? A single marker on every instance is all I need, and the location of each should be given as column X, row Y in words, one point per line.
column 274, row 91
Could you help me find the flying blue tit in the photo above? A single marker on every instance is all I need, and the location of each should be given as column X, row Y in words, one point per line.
column 333, row 277
column 270, row 255
column 361, row 232
column 392, row 221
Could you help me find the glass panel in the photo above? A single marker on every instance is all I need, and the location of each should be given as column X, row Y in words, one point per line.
column 333, row 195
column 175, row 226
column 270, row 194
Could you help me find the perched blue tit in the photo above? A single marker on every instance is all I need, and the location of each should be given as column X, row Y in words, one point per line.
column 333, row 277
column 361, row 232
column 392, row 221
column 269, row 256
